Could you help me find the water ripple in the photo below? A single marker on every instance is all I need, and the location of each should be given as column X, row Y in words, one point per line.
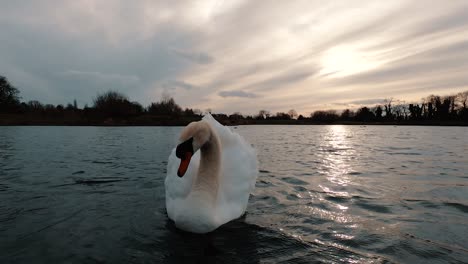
column 329, row 194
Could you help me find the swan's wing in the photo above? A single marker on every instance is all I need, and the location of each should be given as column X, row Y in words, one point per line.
column 240, row 170
column 227, row 137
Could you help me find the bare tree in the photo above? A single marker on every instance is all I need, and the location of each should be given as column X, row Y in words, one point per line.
column 263, row 114
column 388, row 108
column 292, row 113
column 378, row 112
column 462, row 99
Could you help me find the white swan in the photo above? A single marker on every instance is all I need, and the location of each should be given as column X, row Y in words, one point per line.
column 210, row 187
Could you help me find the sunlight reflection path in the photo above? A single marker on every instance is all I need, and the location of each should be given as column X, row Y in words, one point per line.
column 336, row 153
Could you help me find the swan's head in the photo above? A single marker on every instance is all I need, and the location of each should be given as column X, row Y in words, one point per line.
column 192, row 138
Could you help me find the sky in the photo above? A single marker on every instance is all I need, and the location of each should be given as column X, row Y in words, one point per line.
column 236, row 55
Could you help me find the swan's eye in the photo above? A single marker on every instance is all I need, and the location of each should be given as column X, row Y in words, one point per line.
column 184, row 147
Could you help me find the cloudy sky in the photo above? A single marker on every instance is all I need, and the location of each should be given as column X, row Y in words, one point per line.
column 236, row 55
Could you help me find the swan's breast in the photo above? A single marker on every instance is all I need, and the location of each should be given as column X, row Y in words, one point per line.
column 196, row 213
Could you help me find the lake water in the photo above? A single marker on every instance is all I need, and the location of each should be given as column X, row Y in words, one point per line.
column 324, row 194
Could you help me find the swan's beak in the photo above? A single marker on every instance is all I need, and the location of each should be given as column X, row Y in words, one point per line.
column 184, row 152
column 184, row 163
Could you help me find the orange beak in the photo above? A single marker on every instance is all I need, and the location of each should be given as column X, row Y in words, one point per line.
column 184, row 163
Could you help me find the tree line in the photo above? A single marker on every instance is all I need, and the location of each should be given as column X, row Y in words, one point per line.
column 115, row 108
column 108, row 108
column 433, row 108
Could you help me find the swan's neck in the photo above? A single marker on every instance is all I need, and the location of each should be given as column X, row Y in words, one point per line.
column 207, row 180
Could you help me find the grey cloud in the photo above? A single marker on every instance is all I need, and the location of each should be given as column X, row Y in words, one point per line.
column 283, row 79
column 234, row 75
column 101, row 77
column 62, row 67
column 246, row 70
column 172, row 84
column 249, row 69
column 385, row 23
column 447, row 22
column 237, row 93
column 368, row 101
column 197, row 57
column 363, row 102
column 443, row 85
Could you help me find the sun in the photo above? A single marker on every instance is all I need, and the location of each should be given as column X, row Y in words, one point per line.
column 343, row 60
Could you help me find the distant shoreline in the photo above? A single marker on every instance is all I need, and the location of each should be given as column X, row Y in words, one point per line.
column 22, row 120
column 113, row 108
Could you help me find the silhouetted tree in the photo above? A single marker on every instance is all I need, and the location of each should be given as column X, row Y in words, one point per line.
column 364, row 114
column 69, row 107
column 220, row 116
column 9, row 96
column 453, row 104
column 378, row 112
column 347, row 115
column 292, row 113
column 236, row 116
column 136, row 108
column 189, row 112
column 416, row 111
column 430, row 110
column 462, row 99
column 167, row 106
column 49, row 108
column 400, row 111
column 263, row 114
column 35, row 106
column 329, row 116
column 113, row 104
column 281, row 116
column 388, row 109
column 249, row 117
column 440, row 107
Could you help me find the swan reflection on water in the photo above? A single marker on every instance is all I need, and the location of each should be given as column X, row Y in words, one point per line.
column 236, row 242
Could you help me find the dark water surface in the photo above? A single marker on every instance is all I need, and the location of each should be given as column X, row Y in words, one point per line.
column 324, row 194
